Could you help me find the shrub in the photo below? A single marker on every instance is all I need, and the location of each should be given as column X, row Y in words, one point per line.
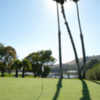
column 94, row 73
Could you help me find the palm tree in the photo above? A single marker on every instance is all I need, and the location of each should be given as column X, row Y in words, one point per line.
column 72, row 41
column 16, row 65
column 59, row 42
column 2, row 48
column 70, row 35
column 60, row 1
column 25, row 64
column 81, row 38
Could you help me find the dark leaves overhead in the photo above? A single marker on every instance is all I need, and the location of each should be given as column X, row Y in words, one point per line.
column 76, row 1
column 60, row 1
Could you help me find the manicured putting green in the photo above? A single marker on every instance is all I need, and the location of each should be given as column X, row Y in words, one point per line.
column 48, row 89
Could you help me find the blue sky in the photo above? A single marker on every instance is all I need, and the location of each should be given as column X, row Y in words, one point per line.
column 31, row 25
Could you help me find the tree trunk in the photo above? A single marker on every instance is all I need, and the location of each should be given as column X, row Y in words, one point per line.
column 23, row 72
column 82, row 42
column 59, row 42
column 2, row 73
column 16, row 75
column 72, row 42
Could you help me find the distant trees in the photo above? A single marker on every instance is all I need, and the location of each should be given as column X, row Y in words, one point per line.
column 7, row 57
column 10, row 56
column 25, row 64
column 16, row 65
column 91, row 63
column 41, row 61
column 36, row 62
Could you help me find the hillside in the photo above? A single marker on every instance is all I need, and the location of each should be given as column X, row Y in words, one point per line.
column 72, row 64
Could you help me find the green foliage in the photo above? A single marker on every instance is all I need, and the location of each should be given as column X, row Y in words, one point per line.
column 7, row 56
column 60, row 1
column 39, row 60
column 16, row 65
column 76, row 1
column 2, row 68
column 32, row 63
column 94, row 72
column 25, row 66
column 91, row 63
column 2, row 51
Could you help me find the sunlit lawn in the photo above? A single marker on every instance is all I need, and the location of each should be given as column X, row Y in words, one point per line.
column 48, row 89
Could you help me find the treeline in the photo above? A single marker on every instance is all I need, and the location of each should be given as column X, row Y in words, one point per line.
column 36, row 62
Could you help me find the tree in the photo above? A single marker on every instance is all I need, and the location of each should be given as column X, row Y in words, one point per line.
column 2, row 51
column 59, row 42
column 82, row 39
column 16, row 65
column 91, row 63
column 93, row 73
column 10, row 56
column 25, row 64
column 72, row 41
column 2, row 64
column 45, row 60
column 40, row 60
column 46, row 71
column 60, row 1
column 7, row 56
column 70, row 35
column 36, row 66
column 2, row 68
column 59, row 36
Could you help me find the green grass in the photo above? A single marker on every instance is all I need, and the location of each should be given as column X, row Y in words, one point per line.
column 48, row 89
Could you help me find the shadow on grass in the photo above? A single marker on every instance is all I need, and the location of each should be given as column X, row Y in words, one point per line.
column 85, row 91
column 59, row 86
column 42, row 88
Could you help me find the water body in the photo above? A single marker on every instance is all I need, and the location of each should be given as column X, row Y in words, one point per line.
column 64, row 76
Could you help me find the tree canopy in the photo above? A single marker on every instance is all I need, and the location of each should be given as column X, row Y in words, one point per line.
column 40, row 61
